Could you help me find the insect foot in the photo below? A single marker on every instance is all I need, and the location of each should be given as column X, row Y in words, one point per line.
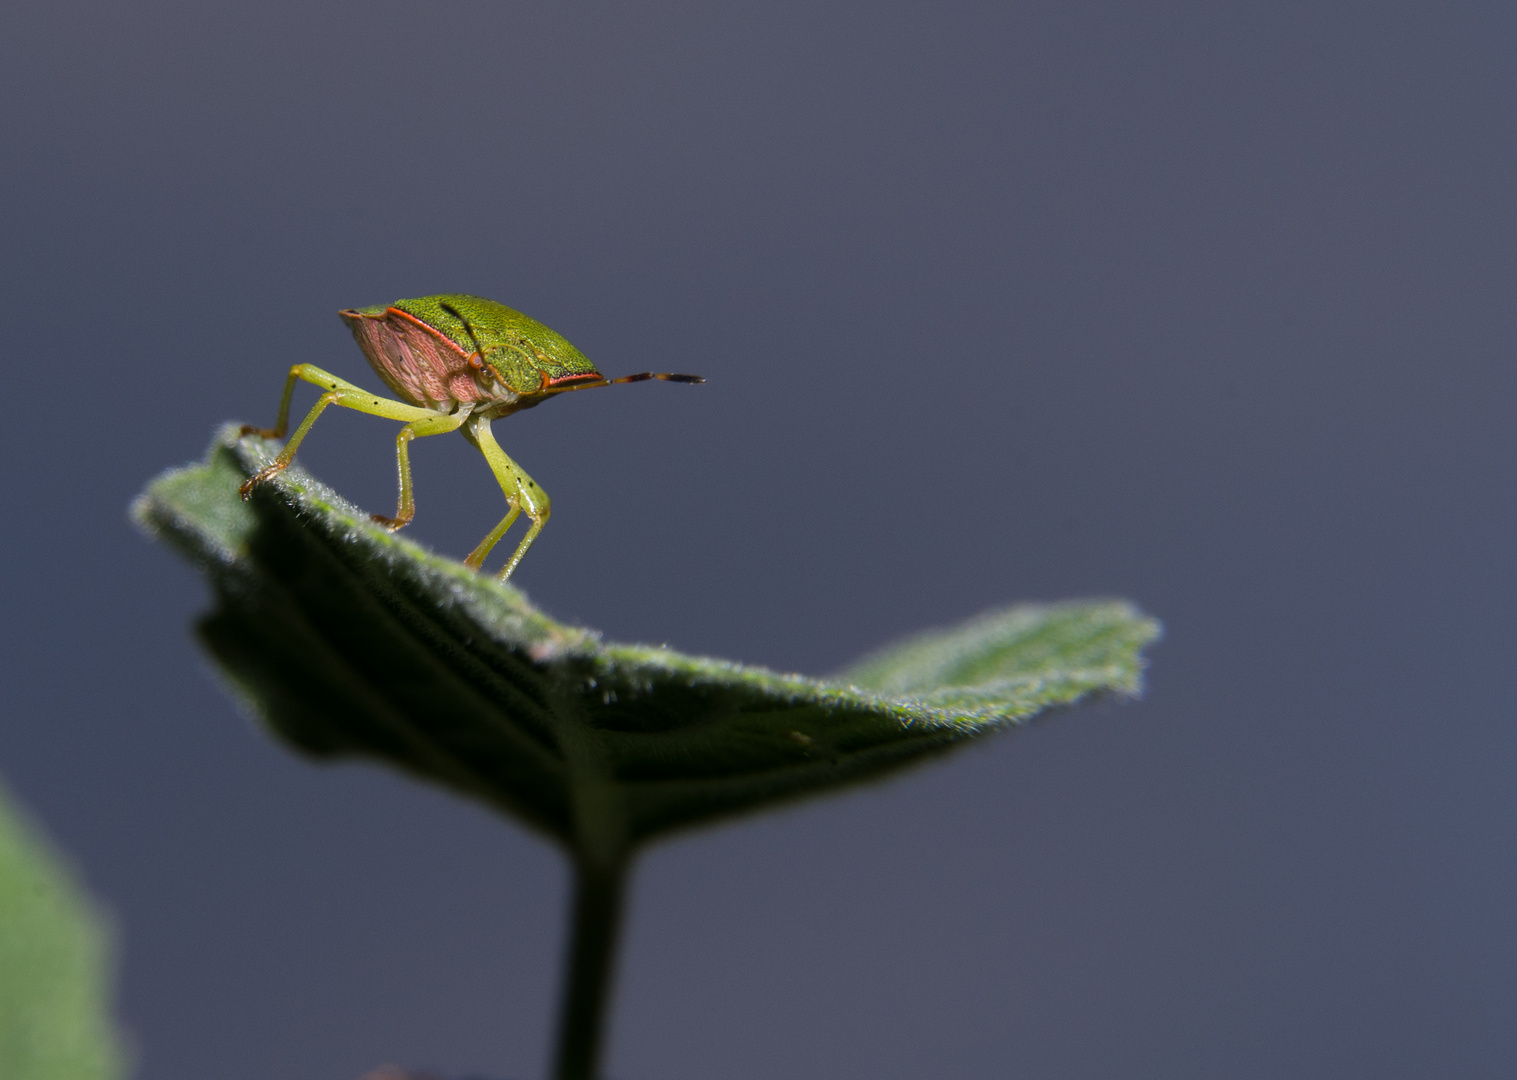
column 246, row 490
column 262, row 433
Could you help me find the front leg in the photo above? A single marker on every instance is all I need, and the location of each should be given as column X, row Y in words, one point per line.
column 522, row 496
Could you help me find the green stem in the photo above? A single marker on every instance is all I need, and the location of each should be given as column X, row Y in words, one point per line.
column 598, row 892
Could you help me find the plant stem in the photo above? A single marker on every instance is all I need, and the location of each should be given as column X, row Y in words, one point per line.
column 598, row 890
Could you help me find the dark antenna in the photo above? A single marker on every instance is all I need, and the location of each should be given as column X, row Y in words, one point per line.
column 641, row 376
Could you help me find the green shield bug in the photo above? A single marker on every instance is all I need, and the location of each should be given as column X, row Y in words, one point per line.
column 456, row 362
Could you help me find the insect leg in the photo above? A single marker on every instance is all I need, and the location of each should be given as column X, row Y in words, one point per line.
column 477, row 557
column 522, row 495
column 282, row 424
column 436, row 425
column 338, row 392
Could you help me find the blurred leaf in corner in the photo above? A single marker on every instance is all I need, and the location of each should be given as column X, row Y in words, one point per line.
column 54, row 966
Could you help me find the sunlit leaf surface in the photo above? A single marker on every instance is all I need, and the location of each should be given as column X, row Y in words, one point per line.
column 349, row 640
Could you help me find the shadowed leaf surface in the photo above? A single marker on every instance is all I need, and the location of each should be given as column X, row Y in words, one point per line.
column 54, row 972
column 349, row 640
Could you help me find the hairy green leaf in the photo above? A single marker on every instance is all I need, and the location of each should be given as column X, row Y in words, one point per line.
column 53, row 967
column 348, row 640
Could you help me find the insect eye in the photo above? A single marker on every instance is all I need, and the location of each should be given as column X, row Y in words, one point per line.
column 477, row 362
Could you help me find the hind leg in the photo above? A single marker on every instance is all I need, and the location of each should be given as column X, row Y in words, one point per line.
column 338, row 392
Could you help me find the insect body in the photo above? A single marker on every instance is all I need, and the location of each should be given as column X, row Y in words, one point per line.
column 457, row 362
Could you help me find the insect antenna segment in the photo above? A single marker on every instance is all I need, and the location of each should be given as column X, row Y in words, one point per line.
column 641, row 376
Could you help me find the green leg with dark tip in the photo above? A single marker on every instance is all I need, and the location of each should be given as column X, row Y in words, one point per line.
column 437, row 425
column 338, row 392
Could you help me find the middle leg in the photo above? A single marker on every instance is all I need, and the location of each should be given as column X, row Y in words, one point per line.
column 434, row 425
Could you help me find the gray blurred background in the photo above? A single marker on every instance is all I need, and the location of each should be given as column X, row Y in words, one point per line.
column 1210, row 306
